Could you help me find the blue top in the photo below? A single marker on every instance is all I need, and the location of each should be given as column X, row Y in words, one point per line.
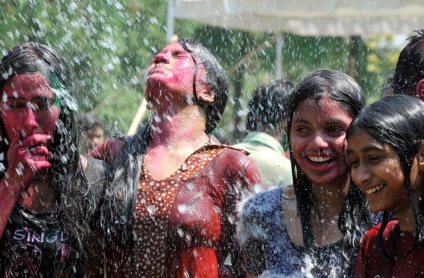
column 269, row 250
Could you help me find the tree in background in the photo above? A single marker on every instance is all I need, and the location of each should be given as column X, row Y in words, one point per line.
column 111, row 42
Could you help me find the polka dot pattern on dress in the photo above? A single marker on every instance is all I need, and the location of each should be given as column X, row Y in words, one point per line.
column 154, row 203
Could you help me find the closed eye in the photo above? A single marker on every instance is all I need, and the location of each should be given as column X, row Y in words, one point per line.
column 374, row 158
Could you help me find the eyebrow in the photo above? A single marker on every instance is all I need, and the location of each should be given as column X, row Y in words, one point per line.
column 329, row 122
column 367, row 149
column 333, row 121
column 301, row 120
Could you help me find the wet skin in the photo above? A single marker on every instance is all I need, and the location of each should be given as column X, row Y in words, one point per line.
column 376, row 170
column 169, row 77
column 29, row 115
column 318, row 139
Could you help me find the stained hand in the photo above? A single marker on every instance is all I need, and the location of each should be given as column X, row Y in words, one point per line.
column 26, row 157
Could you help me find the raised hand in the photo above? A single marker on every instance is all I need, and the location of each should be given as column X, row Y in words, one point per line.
column 25, row 159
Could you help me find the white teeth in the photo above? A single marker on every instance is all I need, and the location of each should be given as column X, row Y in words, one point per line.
column 374, row 189
column 319, row 158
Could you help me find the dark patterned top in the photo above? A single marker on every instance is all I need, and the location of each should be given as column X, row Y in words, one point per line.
column 269, row 250
column 185, row 224
column 35, row 244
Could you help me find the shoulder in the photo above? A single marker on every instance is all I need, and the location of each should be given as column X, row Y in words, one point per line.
column 233, row 157
column 259, row 212
column 237, row 168
column 235, row 161
column 261, row 205
column 234, row 151
column 371, row 234
column 263, row 201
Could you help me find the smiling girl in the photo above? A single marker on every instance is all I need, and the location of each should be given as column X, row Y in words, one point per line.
column 304, row 229
column 386, row 153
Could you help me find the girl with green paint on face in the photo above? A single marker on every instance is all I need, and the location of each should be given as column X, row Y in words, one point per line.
column 45, row 203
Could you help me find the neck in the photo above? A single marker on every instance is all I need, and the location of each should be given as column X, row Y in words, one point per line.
column 175, row 130
column 330, row 197
column 405, row 216
column 329, row 200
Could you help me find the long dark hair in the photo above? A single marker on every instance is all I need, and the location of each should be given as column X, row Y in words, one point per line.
column 216, row 78
column 341, row 88
column 397, row 121
column 66, row 175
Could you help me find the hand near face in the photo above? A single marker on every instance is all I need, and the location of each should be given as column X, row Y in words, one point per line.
column 26, row 158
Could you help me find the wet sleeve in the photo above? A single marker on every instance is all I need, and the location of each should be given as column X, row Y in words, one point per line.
column 109, row 149
column 245, row 179
column 244, row 176
column 249, row 235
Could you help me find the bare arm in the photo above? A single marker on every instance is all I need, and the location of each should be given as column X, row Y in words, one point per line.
column 248, row 275
column 108, row 150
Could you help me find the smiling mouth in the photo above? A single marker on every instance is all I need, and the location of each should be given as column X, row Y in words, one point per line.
column 374, row 189
column 320, row 160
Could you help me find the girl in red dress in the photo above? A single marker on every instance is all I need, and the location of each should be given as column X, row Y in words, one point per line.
column 386, row 154
column 171, row 207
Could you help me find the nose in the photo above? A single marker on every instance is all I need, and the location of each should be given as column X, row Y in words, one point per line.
column 360, row 175
column 161, row 58
column 30, row 118
column 319, row 142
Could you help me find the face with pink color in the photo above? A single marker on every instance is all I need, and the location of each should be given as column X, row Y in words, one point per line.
column 318, row 139
column 28, row 107
column 169, row 77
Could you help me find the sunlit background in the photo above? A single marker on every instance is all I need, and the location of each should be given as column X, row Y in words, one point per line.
column 110, row 43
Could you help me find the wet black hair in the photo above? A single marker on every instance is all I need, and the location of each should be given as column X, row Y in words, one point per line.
column 268, row 106
column 216, row 78
column 67, row 177
column 397, row 121
column 410, row 66
column 341, row 88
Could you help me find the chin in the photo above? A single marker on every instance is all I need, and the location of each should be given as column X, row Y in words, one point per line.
column 327, row 178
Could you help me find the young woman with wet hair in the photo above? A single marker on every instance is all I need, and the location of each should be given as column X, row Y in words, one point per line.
column 171, row 210
column 386, row 154
column 45, row 203
column 306, row 228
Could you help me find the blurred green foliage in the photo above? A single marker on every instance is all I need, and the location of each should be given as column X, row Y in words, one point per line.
column 110, row 43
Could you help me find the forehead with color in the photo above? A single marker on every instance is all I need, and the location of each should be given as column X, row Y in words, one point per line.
column 31, row 85
column 27, row 81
